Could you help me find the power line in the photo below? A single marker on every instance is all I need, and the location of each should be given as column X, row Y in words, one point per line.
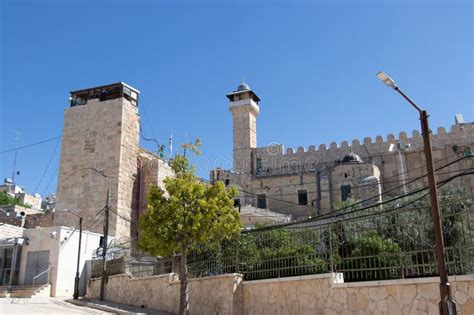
column 50, row 180
column 359, row 186
column 339, row 212
column 47, row 165
column 370, row 198
column 30, row 145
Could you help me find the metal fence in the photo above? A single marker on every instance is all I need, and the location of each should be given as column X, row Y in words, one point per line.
column 390, row 241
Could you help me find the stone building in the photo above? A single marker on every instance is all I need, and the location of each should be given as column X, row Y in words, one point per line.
column 310, row 181
column 100, row 152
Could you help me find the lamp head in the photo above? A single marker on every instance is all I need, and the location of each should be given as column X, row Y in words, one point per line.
column 386, row 79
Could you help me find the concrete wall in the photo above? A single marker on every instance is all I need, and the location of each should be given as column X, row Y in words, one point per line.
column 212, row 295
column 63, row 248
column 313, row 294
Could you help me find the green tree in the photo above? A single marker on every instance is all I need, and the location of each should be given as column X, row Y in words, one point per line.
column 6, row 199
column 188, row 216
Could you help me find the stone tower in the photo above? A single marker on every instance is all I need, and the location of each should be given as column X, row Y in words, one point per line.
column 245, row 109
column 98, row 152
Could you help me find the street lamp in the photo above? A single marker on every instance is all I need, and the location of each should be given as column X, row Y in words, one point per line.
column 76, row 280
column 447, row 305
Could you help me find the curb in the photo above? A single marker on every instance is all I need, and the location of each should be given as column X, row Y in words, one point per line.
column 118, row 309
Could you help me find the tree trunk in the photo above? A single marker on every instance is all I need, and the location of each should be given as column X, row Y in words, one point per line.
column 183, row 276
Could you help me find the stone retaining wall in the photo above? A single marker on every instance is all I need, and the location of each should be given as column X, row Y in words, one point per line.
column 313, row 294
column 210, row 295
column 324, row 294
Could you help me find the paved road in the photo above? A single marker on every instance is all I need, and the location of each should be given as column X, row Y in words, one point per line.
column 42, row 306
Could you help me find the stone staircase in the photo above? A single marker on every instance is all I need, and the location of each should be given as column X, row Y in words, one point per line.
column 26, row 291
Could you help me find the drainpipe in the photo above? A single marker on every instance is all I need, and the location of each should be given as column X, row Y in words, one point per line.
column 318, row 188
column 401, row 163
column 13, row 264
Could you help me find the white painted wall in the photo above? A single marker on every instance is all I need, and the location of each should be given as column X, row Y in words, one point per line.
column 63, row 254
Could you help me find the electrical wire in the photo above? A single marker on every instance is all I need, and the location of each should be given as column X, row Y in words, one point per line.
column 339, row 212
column 30, row 145
column 370, row 198
column 48, row 165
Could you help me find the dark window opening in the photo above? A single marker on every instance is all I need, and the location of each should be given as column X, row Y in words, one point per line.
column 262, row 201
column 259, row 164
column 236, row 202
column 345, row 192
column 345, row 175
column 227, row 182
column 302, row 197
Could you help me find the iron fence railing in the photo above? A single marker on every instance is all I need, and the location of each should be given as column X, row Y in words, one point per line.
column 390, row 241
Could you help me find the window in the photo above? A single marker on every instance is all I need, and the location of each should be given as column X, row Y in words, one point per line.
column 227, row 182
column 236, row 202
column 262, row 201
column 345, row 192
column 302, row 197
column 259, row 164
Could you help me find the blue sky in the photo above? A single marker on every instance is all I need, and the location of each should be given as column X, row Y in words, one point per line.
column 313, row 64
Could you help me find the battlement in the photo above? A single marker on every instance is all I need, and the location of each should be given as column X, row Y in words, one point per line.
column 274, row 156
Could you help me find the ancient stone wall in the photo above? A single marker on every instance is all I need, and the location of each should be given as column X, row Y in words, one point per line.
column 282, row 174
column 98, row 152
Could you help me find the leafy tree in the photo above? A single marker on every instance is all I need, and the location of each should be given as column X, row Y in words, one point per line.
column 188, row 216
column 281, row 253
column 6, row 199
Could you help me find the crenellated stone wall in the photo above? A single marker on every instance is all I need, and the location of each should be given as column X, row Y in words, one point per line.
column 275, row 157
column 280, row 174
column 312, row 294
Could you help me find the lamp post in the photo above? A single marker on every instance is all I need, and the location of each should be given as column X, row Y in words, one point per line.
column 447, row 305
column 76, row 279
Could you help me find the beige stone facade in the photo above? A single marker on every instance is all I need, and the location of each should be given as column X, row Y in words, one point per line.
column 317, row 173
column 99, row 152
column 213, row 295
column 313, row 294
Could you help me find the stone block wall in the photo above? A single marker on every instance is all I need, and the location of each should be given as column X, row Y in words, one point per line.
column 98, row 152
column 326, row 294
column 284, row 173
column 212, row 295
column 312, row 294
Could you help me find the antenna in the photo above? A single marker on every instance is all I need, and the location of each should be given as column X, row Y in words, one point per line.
column 17, row 140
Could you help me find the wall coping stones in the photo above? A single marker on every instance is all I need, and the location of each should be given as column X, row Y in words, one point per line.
column 400, row 281
column 336, row 277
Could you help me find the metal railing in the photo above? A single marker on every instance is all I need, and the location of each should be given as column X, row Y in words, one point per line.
column 42, row 276
column 392, row 241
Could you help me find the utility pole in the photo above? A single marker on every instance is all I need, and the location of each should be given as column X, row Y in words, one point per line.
column 447, row 305
column 76, row 282
column 104, row 246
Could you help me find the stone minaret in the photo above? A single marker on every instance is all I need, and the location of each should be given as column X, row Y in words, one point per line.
column 98, row 152
column 245, row 109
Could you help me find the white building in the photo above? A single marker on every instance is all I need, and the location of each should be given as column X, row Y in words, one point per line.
column 45, row 258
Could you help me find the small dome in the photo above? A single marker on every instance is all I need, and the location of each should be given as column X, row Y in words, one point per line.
column 243, row 87
column 352, row 158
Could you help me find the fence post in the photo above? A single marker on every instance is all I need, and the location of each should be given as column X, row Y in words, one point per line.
column 331, row 261
column 237, row 239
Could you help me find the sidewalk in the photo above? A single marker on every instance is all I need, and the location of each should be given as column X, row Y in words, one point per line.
column 115, row 308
